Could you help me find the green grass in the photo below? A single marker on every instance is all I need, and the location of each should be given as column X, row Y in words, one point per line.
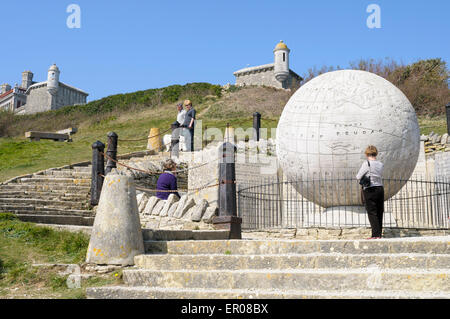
column 23, row 244
column 19, row 156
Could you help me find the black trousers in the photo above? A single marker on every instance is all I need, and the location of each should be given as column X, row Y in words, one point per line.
column 374, row 201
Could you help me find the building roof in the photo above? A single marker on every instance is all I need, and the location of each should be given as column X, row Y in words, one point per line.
column 262, row 68
column 44, row 83
column 6, row 93
column 281, row 46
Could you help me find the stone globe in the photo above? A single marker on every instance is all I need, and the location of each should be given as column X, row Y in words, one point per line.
column 326, row 126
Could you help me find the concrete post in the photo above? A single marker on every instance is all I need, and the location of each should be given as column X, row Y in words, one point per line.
column 229, row 134
column 256, row 126
column 175, row 141
column 116, row 236
column 448, row 118
column 227, row 218
column 111, row 152
column 98, row 169
column 154, row 140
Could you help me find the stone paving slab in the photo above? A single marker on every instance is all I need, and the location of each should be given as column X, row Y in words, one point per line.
column 441, row 245
column 236, row 262
column 303, row 279
column 126, row 292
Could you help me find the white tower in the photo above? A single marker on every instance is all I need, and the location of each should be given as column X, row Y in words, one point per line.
column 281, row 68
column 53, row 79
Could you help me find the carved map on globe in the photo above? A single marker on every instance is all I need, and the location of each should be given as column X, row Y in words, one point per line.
column 326, row 126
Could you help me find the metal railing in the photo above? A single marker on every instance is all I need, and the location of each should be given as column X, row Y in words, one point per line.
column 336, row 202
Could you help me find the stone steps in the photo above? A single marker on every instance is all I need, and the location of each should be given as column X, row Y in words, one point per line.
column 54, row 196
column 66, row 173
column 59, row 219
column 386, row 268
column 264, row 247
column 43, row 195
column 42, row 203
column 47, row 187
column 303, row 279
column 311, row 261
column 30, row 209
column 55, row 180
column 140, row 292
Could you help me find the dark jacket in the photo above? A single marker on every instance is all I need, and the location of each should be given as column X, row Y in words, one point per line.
column 166, row 182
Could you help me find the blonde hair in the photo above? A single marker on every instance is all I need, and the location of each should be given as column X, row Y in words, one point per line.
column 371, row 151
column 168, row 165
column 187, row 102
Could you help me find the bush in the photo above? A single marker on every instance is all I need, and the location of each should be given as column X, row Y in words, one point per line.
column 425, row 82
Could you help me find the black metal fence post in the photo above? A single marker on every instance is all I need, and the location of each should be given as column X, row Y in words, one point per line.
column 175, row 141
column 448, row 118
column 256, row 126
column 228, row 218
column 98, row 169
column 111, row 152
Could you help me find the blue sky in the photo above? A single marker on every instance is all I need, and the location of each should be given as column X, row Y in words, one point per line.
column 124, row 46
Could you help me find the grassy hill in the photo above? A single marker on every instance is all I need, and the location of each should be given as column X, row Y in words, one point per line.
column 132, row 115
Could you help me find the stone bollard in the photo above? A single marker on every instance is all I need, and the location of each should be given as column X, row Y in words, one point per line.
column 116, row 235
column 227, row 218
column 256, row 126
column 154, row 140
column 448, row 118
column 98, row 169
column 111, row 152
column 229, row 134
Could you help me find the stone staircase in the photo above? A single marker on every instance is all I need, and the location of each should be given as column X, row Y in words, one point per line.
column 386, row 268
column 54, row 196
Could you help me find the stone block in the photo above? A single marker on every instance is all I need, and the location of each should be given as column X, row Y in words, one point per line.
column 209, row 214
column 143, row 202
column 444, row 139
column 150, row 205
column 170, row 200
column 172, row 209
column 158, row 207
column 189, row 212
column 199, row 210
column 184, row 205
column 139, row 197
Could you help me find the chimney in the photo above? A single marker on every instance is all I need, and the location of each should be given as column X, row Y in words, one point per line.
column 27, row 79
column 5, row 88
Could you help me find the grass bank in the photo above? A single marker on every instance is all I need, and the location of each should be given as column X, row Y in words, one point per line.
column 24, row 244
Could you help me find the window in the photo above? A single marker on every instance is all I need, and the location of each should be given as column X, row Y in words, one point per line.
column 284, row 57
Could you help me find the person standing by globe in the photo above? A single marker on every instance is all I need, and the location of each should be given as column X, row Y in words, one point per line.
column 373, row 190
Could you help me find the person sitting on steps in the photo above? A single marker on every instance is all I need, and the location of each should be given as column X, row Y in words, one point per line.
column 167, row 181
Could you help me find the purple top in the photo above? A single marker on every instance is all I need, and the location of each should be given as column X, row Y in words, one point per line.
column 166, row 181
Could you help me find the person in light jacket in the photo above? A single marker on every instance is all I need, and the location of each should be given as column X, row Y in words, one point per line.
column 374, row 193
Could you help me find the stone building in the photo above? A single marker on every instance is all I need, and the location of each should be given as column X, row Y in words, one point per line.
column 33, row 97
column 275, row 74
